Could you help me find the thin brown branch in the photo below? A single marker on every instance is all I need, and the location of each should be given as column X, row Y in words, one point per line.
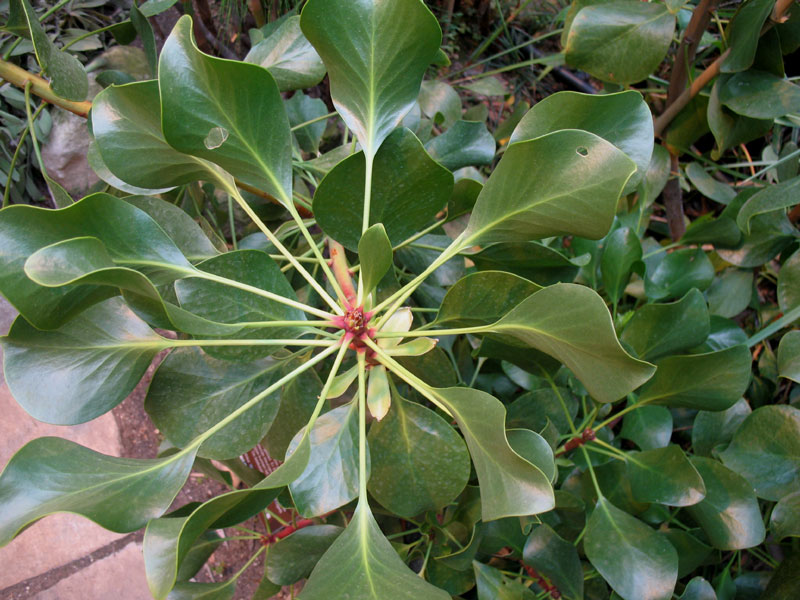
column 673, row 202
column 688, row 48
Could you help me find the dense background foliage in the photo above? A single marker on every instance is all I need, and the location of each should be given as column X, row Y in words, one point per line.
column 601, row 289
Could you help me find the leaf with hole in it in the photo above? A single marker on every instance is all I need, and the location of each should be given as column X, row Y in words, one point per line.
column 331, row 478
column 67, row 76
column 375, row 256
column 50, row 475
column 375, row 67
column 643, row 566
column 473, row 300
column 126, row 124
column 657, row 330
column 765, row 450
column 621, row 42
column 510, row 485
column 362, row 564
column 207, row 112
column 623, row 119
column 729, row 513
column 289, row 57
column 571, row 323
column 83, row 369
column 564, row 183
column 137, row 242
column 711, row 381
column 418, row 461
column 191, row 391
column 664, row 475
column 408, row 189
column 466, row 143
column 556, row 559
column 293, row 558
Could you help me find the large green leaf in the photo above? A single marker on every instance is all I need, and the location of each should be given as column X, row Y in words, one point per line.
column 664, row 475
column 540, row 264
column 711, row 381
column 677, row 273
column 137, row 242
column 789, row 283
column 649, row 427
column 642, row 566
column 419, row 462
column 566, row 182
column 289, row 57
column 731, row 129
column 466, row 143
column 362, row 564
column 656, row 330
column 126, row 124
column 622, row 119
column 707, row 185
column 556, row 559
column 408, row 189
column 785, row 518
column 571, row 323
column 293, row 558
column 699, row 589
column 192, row 391
column 510, row 485
column 228, row 112
column 789, row 356
column 474, row 299
column 82, row 370
column 51, row 475
column 67, row 76
column 712, row 429
column 440, row 103
column 621, row 42
column 743, row 32
column 301, row 109
column 331, row 478
column 729, row 513
column 376, row 53
column 766, row 451
column 772, row 198
column 760, row 95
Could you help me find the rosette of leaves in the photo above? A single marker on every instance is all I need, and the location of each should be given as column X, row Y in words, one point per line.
column 350, row 336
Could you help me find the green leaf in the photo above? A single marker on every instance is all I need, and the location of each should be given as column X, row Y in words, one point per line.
column 474, row 299
column 67, row 77
column 440, row 103
column 331, row 478
column 621, row 256
column 298, row 399
column 712, row 381
column 221, row 303
column 742, row 34
column 784, row 581
column 789, row 356
column 691, row 551
column 375, row 256
column 206, row 106
column 466, row 143
column 759, row 95
column 649, row 427
column 50, row 475
column 289, row 57
column 643, row 565
column 622, row 42
column 712, row 429
column 126, row 124
column 362, row 564
column 622, row 119
column 78, row 372
column 556, row 559
column 375, row 67
column 679, row 272
column 707, row 185
column 664, row 475
column 294, row 557
column 419, row 462
column 531, row 260
column 724, row 333
column 772, row 198
column 192, row 391
column 698, row 589
column 300, row 109
column 729, row 128
column 408, row 189
column 571, row 323
column 656, row 175
column 766, row 451
column 567, row 182
column 510, row 485
column 789, row 283
column 493, row 585
column 785, row 519
column 534, row 448
column 730, row 292
column 379, row 396
column 137, row 242
column 486, row 86
column 729, row 513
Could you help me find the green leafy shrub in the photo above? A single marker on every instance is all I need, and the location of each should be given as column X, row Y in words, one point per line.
column 468, row 406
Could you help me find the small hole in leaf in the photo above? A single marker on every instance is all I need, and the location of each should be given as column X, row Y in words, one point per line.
column 215, row 138
column 582, row 151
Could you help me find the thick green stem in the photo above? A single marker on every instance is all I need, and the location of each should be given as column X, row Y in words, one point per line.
column 249, row 342
column 362, row 429
column 786, row 320
column 369, row 156
column 312, row 121
column 432, row 332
